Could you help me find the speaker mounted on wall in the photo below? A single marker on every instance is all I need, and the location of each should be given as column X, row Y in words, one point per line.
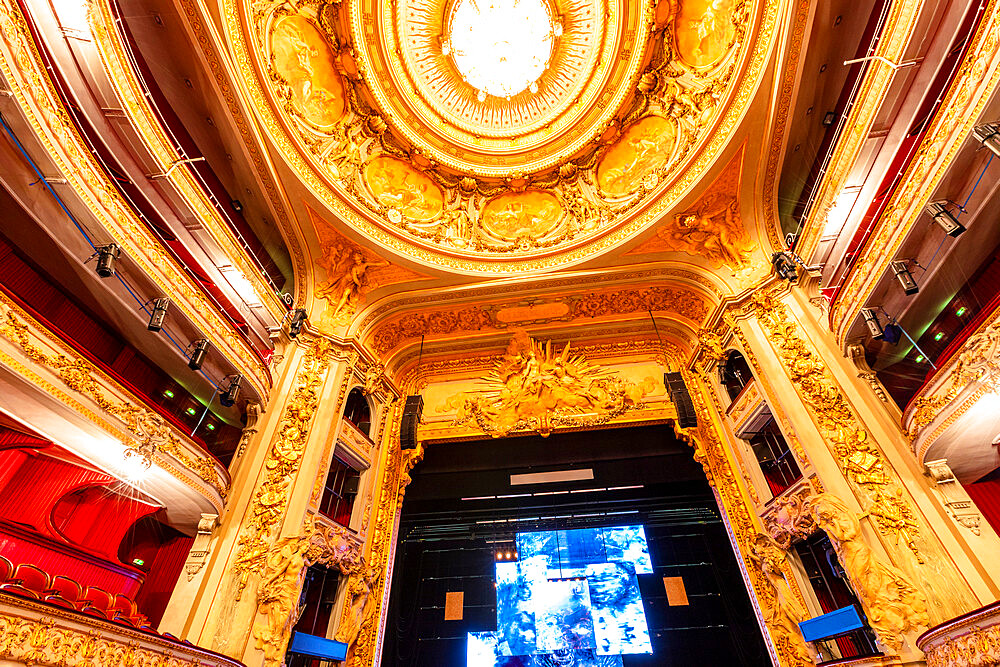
column 412, row 410
column 686, row 415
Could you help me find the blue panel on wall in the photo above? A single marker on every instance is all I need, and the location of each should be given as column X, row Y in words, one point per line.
column 318, row 647
column 831, row 624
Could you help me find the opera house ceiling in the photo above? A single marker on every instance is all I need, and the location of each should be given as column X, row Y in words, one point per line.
column 502, row 139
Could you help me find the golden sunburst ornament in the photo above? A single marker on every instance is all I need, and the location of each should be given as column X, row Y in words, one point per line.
column 533, row 388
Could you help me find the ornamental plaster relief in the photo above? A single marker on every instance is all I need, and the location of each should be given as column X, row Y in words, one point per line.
column 687, row 85
column 41, row 106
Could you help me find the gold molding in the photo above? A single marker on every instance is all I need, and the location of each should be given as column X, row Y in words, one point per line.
column 974, row 85
column 81, row 376
column 39, row 103
column 755, row 60
column 35, row 634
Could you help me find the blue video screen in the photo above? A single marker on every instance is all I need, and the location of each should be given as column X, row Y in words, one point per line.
column 571, row 599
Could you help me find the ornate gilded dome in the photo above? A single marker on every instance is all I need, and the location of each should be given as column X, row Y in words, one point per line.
column 503, row 137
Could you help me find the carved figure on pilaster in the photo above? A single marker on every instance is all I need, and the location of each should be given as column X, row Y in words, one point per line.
column 783, row 616
column 712, row 350
column 278, row 596
column 359, row 606
column 892, row 604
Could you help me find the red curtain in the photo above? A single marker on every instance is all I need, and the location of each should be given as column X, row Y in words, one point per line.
column 986, row 495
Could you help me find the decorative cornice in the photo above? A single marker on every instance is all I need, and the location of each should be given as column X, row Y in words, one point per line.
column 140, row 424
column 973, row 87
column 41, row 106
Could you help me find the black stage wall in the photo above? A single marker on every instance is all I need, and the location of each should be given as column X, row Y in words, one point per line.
column 450, row 544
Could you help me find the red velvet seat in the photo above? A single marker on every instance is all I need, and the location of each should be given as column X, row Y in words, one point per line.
column 124, row 606
column 32, row 577
column 15, row 588
column 64, row 592
column 6, row 570
column 96, row 602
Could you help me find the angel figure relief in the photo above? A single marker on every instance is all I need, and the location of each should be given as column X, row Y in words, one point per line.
column 715, row 232
column 348, row 281
column 535, row 388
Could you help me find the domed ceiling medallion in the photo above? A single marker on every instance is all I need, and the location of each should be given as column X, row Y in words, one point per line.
column 504, row 136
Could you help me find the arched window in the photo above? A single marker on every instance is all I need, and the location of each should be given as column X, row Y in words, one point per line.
column 735, row 374
column 357, row 411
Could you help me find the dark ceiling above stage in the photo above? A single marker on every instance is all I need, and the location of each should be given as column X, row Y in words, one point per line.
column 619, row 457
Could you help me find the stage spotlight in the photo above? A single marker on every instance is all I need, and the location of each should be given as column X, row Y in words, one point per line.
column 871, row 319
column 904, row 277
column 988, row 135
column 296, row 319
column 159, row 313
column 106, row 256
column 784, row 266
column 943, row 217
column 198, row 354
column 229, row 396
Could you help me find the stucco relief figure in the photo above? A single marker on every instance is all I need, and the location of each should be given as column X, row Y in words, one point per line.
column 278, row 596
column 643, row 149
column 784, row 615
column 894, row 607
column 397, row 185
column 522, row 215
column 358, row 608
column 347, row 272
column 535, row 388
column 704, row 31
column 302, row 57
column 715, row 232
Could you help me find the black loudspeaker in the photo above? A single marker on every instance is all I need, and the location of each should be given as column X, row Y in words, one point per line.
column 351, row 485
column 686, row 416
column 412, row 410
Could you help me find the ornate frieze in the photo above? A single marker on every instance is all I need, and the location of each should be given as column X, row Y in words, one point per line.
column 146, row 429
column 32, row 633
column 972, row 640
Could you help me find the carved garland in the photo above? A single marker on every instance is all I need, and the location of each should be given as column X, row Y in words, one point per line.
column 860, row 459
column 29, row 641
column 78, row 374
column 269, row 503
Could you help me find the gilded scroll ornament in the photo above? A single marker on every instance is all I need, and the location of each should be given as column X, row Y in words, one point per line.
column 271, row 499
column 534, row 388
column 859, row 458
column 893, row 605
